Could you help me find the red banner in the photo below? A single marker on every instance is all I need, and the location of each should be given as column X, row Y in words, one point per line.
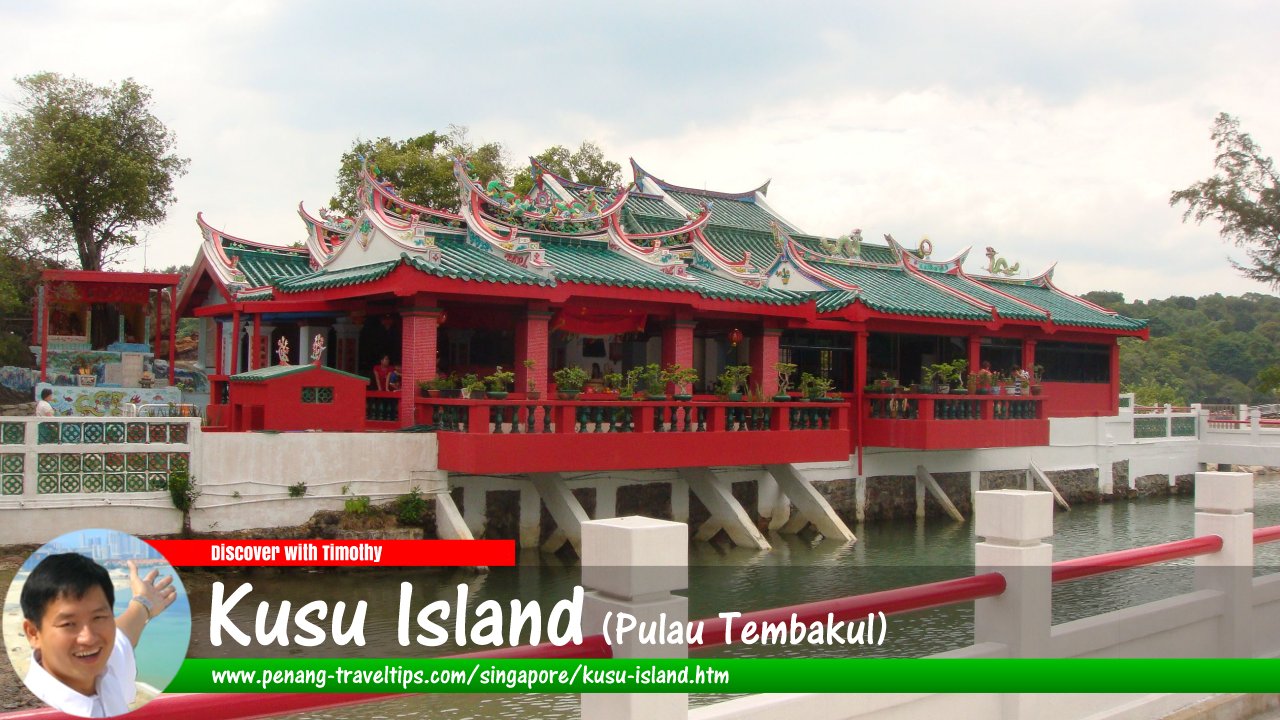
column 313, row 553
column 597, row 323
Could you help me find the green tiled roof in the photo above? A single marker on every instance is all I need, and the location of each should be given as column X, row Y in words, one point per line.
column 464, row 261
column 730, row 213
column 833, row 300
column 731, row 242
column 651, row 206
column 892, row 290
column 1004, row 306
column 870, row 253
column 325, row 279
column 262, row 267
column 275, row 371
column 646, row 224
column 1066, row 311
column 263, row 294
column 594, row 263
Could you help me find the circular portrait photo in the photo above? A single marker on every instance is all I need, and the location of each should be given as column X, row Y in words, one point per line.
column 96, row 623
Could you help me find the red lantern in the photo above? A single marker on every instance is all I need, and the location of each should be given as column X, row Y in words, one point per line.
column 735, row 337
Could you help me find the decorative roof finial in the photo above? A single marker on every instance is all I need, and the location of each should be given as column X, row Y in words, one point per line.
column 999, row 266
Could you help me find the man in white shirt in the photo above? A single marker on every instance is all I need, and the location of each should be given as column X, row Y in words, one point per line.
column 83, row 662
column 44, row 408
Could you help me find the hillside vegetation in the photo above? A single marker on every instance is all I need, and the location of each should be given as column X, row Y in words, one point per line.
column 1208, row 349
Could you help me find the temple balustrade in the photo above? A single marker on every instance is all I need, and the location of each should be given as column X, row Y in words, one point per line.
column 523, row 436
column 950, row 422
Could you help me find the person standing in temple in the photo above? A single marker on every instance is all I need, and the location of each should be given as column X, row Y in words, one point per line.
column 44, row 408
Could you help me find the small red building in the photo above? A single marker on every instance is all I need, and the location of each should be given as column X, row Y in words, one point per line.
column 301, row 397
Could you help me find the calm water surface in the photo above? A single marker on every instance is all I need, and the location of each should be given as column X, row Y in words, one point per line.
column 887, row 555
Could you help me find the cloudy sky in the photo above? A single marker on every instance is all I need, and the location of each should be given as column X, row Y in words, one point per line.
column 1050, row 133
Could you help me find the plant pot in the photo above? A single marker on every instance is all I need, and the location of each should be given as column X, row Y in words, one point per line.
column 533, row 395
column 943, row 390
column 926, row 389
column 425, row 392
column 497, row 394
column 733, row 397
column 568, row 394
column 655, row 396
column 453, row 393
column 1035, row 390
column 782, row 397
column 830, row 399
column 466, row 393
column 682, row 397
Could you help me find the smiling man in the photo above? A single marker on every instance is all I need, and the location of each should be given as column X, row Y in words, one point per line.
column 84, row 663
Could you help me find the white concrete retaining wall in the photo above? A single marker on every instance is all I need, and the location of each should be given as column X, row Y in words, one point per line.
column 245, row 477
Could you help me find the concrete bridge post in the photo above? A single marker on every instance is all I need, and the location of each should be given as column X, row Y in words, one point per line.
column 1223, row 504
column 630, row 565
column 1014, row 524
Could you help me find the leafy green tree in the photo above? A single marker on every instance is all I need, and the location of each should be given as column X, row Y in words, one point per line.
column 421, row 168
column 91, row 161
column 586, row 165
column 1244, row 197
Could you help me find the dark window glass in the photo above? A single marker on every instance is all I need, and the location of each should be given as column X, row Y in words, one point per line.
column 1074, row 362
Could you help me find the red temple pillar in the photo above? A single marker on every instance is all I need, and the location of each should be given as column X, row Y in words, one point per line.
column 860, row 381
column 677, row 343
column 1028, row 355
column 43, row 330
column 173, row 330
column 532, row 333
column 764, row 355
column 217, row 347
column 975, row 354
column 155, row 349
column 1115, row 377
column 419, row 325
column 235, row 343
column 255, row 343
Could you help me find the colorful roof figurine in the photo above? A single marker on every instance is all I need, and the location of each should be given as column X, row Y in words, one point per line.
column 566, row 237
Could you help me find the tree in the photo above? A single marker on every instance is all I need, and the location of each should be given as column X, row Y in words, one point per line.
column 1244, row 197
column 88, row 163
column 587, row 165
column 421, row 168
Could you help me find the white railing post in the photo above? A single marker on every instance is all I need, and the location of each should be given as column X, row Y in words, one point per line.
column 1255, row 423
column 1223, row 504
column 630, row 565
column 1014, row 523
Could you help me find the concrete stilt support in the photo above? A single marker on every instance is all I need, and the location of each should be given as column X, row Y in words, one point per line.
column 810, row 503
column 474, row 508
column 563, row 506
column 606, row 499
column 449, row 522
column 1223, row 504
column 530, row 517
column 1038, row 475
column 1013, row 523
column 797, row 523
column 679, row 501
column 725, row 509
column 860, row 498
column 630, row 565
column 925, row 480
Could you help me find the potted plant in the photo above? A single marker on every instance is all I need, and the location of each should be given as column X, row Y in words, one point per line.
column 732, row 381
column 650, row 380
column 425, row 387
column 470, row 383
column 531, row 384
column 498, row 382
column 814, row 387
column 956, row 375
column 620, row 385
column 569, row 381
column 886, row 384
column 1037, row 375
column 784, row 370
column 926, row 379
column 982, row 380
column 446, row 386
column 683, row 378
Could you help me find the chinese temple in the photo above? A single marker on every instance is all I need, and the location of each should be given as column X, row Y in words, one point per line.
column 612, row 279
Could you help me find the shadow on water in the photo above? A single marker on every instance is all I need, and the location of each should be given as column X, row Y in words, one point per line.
column 724, row 578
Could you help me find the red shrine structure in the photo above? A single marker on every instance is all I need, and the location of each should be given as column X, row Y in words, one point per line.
column 916, row 349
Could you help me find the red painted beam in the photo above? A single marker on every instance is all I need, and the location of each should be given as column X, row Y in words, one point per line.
column 1266, row 535
column 1077, row 568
